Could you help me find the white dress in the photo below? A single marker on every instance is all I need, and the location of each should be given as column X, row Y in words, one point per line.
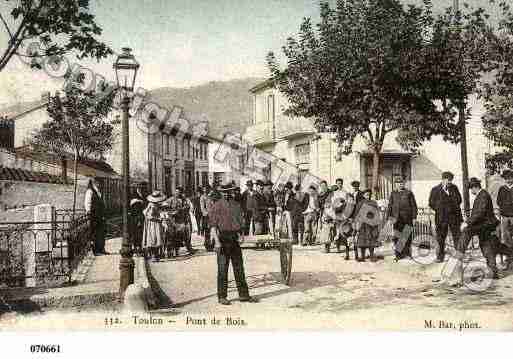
column 153, row 235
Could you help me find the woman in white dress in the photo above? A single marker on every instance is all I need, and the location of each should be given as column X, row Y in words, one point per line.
column 153, row 237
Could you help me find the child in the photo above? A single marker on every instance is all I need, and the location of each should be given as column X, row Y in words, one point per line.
column 366, row 223
column 153, row 230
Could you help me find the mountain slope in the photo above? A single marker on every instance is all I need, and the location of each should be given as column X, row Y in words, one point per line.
column 226, row 105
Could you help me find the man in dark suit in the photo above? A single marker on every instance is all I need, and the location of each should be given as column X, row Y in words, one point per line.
column 248, row 205
column 402, row 211
column 482, row 223
column 445, row 200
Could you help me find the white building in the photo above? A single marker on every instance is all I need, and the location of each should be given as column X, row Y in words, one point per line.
column 296, row 141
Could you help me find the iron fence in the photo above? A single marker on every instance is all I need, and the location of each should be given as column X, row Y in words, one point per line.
column 42, row 253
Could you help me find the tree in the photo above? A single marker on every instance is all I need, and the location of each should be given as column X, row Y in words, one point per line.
column 77, row 127
column 497, row 90
column 59, row 26
column 357, row 75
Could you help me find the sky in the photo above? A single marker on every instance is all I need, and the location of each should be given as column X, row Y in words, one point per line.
column 180, row 43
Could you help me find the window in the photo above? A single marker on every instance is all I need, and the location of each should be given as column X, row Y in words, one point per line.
column 177, row 178
column 204, row 178
column 167, row 139
column 176, row 147
column 302, row 153
column 167, row 180
column 197, row 179
column 183, row 147
column 270, row 108
column 188, row 148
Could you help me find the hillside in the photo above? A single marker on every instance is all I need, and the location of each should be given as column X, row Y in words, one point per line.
column 225, row 104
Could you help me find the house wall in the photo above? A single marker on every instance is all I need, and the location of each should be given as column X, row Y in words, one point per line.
column 433, row 158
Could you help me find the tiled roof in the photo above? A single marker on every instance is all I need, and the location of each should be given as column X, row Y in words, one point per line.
column 17, row 174
column 26, row 151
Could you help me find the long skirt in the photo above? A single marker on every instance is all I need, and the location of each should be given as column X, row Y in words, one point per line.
column 368, row 236
column 153, row 236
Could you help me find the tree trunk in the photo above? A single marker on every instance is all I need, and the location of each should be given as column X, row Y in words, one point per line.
column 64, row 169
column 375, row 172
column 75, row 186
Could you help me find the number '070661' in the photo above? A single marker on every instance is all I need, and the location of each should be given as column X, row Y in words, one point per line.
column 48, row 348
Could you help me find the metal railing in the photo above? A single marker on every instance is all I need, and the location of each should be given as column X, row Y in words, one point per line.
column 42, row 253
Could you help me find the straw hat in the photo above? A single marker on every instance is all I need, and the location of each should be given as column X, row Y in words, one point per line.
column 156, row 197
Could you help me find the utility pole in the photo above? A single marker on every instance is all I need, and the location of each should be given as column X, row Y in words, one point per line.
column 463, row 142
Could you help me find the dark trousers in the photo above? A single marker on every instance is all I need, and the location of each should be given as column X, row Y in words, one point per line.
column 486, row 243
column 98, row 234
column 230, row 251
column 298, row 228
column 404, row 231
column 442, row 229
column 248, row 216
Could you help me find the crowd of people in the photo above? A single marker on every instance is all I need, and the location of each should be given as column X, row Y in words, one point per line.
column 328, row 216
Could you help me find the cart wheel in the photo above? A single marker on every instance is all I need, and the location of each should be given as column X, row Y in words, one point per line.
column 286, row 262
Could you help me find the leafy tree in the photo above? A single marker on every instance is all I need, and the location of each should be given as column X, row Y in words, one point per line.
column 498, row 119
column 477, row 51
column 360, row 74
column 77, row 127
column 59, row 26
column 373, row 68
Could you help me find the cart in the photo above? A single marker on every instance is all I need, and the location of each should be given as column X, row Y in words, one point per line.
column 280, row 239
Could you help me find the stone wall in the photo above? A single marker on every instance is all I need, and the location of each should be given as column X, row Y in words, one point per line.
column 18, row 198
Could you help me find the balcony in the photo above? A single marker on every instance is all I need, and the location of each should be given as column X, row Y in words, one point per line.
column 260, row 134
column 290, row 128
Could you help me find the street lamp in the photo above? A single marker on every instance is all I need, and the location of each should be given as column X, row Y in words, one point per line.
column 126, row 70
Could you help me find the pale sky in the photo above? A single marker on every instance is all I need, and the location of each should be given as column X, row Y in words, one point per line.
column 180, row 43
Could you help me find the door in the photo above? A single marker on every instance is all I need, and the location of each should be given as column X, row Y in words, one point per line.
column 168, row 184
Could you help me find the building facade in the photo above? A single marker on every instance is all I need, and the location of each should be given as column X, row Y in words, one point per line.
column 177, row 160
column 296, row 141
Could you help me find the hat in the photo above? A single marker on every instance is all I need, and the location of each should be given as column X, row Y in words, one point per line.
column 474, row 182
column 507, row 174
column 249, row 183
column 447, row 175
column 334, row 188
column 355, row 184
column 259, row 183
column 156, row 197
column 289, row 185
column 368, row 190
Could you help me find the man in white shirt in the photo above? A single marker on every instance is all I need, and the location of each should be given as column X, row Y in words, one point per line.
column 95, row 209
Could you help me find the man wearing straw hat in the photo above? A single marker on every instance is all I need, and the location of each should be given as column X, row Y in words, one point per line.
column 225, row 216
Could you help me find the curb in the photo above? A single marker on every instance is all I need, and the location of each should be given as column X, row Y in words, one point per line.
column 139, row 296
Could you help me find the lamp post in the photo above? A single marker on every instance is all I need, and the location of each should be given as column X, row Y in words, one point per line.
column 126, row 70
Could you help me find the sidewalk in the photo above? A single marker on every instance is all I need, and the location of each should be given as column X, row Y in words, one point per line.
column 96, row 287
